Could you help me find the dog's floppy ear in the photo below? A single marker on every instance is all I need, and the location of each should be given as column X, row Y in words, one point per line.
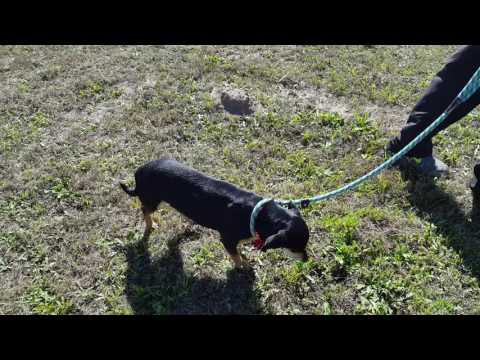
column 275, row 241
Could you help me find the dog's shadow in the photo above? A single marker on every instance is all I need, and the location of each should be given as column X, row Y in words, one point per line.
column 158, row 286
column 461, row 230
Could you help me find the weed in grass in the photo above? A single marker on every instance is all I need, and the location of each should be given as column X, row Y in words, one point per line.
column 301, row 165
column 40, row 120
column 13, row 240
column 96, row 88
column 209, row 102
column 24, row 87
column 332, row 120
column 343, row 229
column 293, row 274
column 116, row 93
column 372, row 302
column 85, row 165
column 212, row 61
column 441, row 307
column 43, row 301
column 203, row 256
column 60, row 190
column 381, row 185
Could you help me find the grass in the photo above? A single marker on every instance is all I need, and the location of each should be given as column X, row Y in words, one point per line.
column 85, row 117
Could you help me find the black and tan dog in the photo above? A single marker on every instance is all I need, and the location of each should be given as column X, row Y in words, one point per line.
column 217, row 205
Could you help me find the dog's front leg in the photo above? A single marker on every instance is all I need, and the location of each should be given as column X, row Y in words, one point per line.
column 231, row 247
column 238, row 260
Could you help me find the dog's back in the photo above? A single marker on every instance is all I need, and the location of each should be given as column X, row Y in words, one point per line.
column 198, row 196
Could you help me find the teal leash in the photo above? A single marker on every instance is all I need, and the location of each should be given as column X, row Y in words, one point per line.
column 472, row 86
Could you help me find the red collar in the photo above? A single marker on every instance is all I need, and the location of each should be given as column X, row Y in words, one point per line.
column 258, row 242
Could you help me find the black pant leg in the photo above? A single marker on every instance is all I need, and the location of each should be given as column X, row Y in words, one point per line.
column 442, row 90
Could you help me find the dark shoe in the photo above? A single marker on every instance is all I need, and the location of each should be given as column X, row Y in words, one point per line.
column 429, row 166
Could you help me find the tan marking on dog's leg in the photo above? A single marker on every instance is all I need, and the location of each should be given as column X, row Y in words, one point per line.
column 147, row 216
column 240, row 261
column 156, row 222
column 236, row 256
column 237, row 260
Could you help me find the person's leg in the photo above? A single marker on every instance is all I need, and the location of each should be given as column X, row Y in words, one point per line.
column 442, row 90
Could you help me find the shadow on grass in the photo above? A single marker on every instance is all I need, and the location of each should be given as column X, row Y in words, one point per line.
column 161, row 286
column 461, row 230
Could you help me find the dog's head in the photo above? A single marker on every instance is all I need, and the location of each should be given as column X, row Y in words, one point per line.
column 293, row 235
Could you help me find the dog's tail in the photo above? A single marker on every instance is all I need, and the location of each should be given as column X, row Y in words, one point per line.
column 131, row 192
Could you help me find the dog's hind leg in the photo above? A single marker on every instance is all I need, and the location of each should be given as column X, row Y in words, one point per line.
column 147, row 216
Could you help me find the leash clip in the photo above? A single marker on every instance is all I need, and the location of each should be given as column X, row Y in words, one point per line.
column 290, row 205
column 305, row 203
